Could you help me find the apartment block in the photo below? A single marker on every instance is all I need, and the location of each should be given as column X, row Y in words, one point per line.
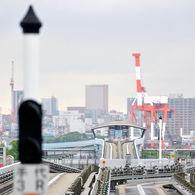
column 183, row 118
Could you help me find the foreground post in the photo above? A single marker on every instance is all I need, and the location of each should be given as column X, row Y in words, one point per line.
column 31, row 177
column 31, row 25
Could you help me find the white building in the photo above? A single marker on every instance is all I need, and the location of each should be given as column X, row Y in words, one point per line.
column 70, row 115
column 59, row 120
column 77, row 125
column 74, row 120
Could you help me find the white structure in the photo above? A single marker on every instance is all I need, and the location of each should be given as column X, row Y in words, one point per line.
column 77, row 125
column 96, row 97
column 31, row 55
column 59, row 120
column 74, row 119
column 88, row 121
column 156, row 99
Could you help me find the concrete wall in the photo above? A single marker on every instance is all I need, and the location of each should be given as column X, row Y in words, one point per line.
column 112, row 163
column 139, row 144
column 148, row 163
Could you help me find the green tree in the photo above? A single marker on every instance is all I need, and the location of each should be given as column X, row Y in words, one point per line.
column 14, row 150
column 70, row 137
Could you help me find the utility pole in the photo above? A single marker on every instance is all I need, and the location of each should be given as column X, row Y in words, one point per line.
column 31, row 176
column 160, row 138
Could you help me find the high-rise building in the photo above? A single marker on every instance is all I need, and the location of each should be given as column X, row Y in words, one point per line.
column 50, row 105
column 139, row 114
column 96, row 97
column 129, row 103
column 17, row 97
column 183, row 118
column 54, row 106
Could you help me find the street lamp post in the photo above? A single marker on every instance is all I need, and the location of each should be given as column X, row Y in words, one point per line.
column 160, row 138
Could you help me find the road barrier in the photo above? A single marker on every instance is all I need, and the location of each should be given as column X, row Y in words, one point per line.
column 180, row 178
column 78, row 185
column 56, row 168
column 141, row 170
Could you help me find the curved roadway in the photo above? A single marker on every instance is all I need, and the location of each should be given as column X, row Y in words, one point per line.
column 128, row 148
column 119, row 150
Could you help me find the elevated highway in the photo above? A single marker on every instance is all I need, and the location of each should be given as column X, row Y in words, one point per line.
column 118, row 149
column 128, row 148
column 65, row 179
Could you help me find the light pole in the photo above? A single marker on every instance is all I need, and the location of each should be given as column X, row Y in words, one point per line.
column 160, row 138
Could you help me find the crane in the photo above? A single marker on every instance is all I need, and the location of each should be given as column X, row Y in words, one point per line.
column 150, row 105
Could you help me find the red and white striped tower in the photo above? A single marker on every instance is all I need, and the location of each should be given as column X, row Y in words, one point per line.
column 152, row 128
column 144, row 124
column 138, row 80
column 149, row 107
column 164, row 125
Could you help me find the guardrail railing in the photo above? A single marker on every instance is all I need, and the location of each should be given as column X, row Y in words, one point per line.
column 180, row 178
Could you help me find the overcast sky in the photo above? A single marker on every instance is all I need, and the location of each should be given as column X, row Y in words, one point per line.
column 85, row 42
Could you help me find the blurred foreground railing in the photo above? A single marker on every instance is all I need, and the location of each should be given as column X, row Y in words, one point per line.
column 187, row 185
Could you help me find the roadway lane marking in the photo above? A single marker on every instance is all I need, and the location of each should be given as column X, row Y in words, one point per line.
column 141, row 190
column 55, row 178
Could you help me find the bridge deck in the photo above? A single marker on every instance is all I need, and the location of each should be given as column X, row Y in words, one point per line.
column 59, row 186
column 143, row 187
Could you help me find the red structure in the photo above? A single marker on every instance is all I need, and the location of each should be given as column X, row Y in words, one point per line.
column 151, row 106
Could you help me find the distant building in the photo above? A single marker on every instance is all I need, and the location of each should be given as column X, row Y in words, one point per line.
column 183, row 118
column 129, row 103
column 61, row 125
column 77, row 125
column 50, row 106
column 54, row 106
column 71, row 115
column 139, row 114
column 96, row 97
column 17, row 97
column 80, row 109
column 1, row 121
column 94, row 115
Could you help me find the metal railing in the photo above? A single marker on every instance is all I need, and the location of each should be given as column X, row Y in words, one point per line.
column 180, row 178
column 55, row 168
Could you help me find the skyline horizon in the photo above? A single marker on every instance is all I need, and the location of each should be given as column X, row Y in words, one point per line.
column 92, row 42
column 109, row 109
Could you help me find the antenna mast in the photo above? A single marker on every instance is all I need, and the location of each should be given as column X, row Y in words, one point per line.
column 12, row 77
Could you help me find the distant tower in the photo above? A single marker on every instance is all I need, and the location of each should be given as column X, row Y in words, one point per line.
column 12, row 86
column 12, row 77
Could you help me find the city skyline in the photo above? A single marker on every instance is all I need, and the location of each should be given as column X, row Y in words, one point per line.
column 93, row 42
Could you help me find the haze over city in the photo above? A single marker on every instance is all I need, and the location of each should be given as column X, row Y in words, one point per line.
column 91, row 42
